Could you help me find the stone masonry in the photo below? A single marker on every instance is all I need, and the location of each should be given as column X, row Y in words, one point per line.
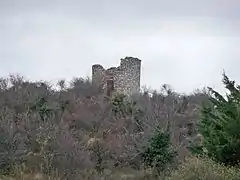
column 122, row 79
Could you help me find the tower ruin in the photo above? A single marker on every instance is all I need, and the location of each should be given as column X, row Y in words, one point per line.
column 122, row 79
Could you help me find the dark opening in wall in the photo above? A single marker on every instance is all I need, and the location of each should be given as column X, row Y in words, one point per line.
column 110, row 87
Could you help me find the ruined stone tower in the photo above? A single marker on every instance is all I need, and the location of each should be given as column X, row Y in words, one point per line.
column 123, row 79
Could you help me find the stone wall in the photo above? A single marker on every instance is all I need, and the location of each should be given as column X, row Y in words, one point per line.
column 123, row 79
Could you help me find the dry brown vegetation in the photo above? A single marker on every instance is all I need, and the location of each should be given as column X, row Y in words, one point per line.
column 78, row 133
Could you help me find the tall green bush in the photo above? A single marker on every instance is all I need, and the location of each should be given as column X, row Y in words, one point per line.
column 220, row 125
column 158, row 152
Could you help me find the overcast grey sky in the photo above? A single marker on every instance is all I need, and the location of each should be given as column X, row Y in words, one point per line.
column 186, row 43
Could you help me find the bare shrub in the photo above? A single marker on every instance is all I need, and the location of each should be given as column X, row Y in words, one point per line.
column 78, row 128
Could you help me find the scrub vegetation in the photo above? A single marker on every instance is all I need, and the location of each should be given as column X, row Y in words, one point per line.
column 77, row 132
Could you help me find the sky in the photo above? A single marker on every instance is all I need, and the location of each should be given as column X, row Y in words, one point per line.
column 186, row 44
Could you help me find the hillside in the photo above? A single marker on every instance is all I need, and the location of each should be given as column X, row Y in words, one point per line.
column 77, row 132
